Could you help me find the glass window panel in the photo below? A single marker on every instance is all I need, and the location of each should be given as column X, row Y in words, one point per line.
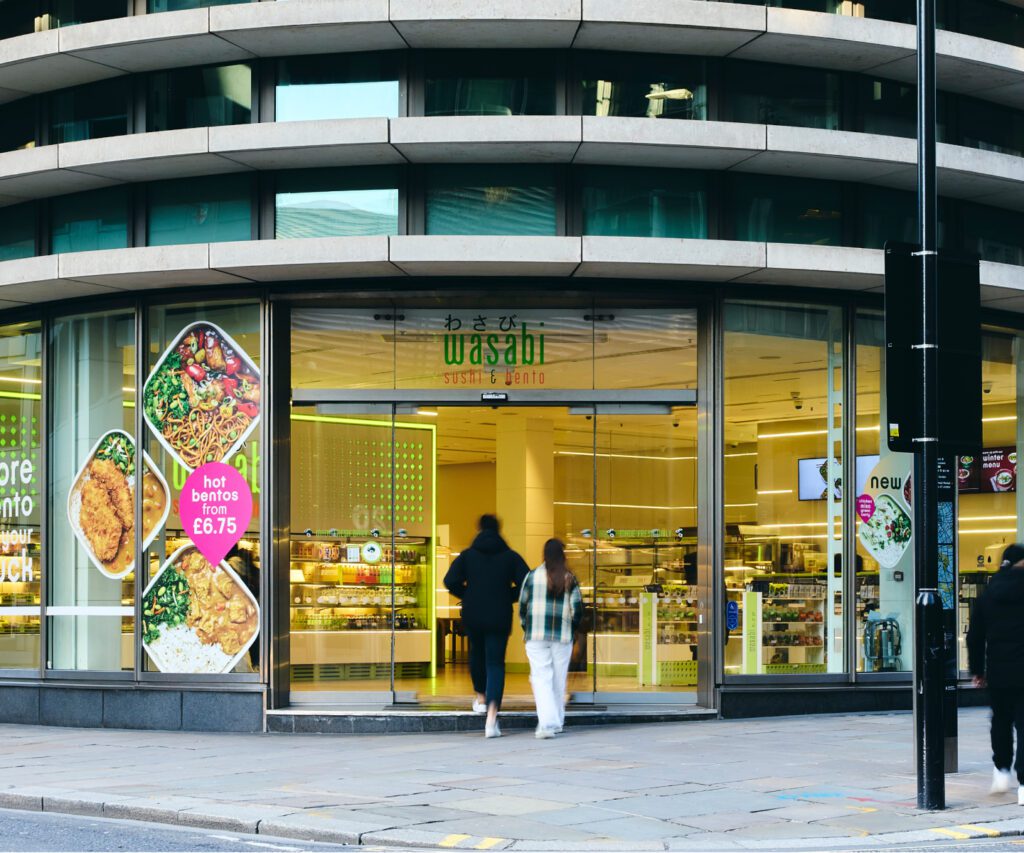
column 68, row 12
column 181, row 436
column 783, row 508
column 995, row 234
column 90, row 112
column 18, row 125
column 991, row 19
column 20, row 495
column 989, row 508
column 645, row 348
column 886, row 215
column 17, row 231
column 340, row 86
column 18, row 17
column 200, row 210
column 991, row 127
column 336, row 203
column 178, row 5
column 199, row 97
column 643, row 203
column 643, row 86
column 488, row 83
column 884, row 604
column 786, row 210
column 778, row 94
column 88, row 221
column 491, row 200
column 91, row 588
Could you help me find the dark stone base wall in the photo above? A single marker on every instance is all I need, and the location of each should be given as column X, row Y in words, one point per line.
column 785, row 701
column 120, row 708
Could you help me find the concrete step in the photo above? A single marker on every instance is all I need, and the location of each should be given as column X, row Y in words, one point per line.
column 341, row 719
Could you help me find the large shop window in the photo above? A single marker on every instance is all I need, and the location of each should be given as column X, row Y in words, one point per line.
column 203, row 399
column 642, row 86
column 88, row 221
column 359, row 85
column 199, row 97
column 491, row 200
column 200, row 210
column 91, row 586
column 486, row 83
column 783, row 489
column 20, row 495
column 337, row 203
column 90, row 112
column 643, row 203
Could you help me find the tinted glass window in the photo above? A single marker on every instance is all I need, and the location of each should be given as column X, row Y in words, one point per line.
column 643, row 203
column 68, row 12
column 343, row 86
column 786, row 210
column 200, row 97
column 997, row 235
column 90, row 112
column 991, row 127
column 200, row 210
column 642, row 86
column 482, row 83
column 491, row 200
column 18, row 125
column 18, row 17
column 886, row 215
column 990, row 19
column 17, row 231
column 776, row 94
column 177, row 5
column 337, row 203
column 87, row 221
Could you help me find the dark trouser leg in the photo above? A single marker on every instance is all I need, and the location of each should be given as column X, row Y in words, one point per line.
column 478, row 661
column 1018, row 722
column 495, row 654
column 1002, row 702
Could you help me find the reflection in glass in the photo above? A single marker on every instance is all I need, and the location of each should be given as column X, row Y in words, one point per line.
column 200, row 210
column 491, row 200
column 21, row 496
column 356, row 85
column 88, row 221
column 199, row 97
column 337, row 203
column 643, row 203
column 489, row 84
column 783, row 489
column 92, row 386
column 642, row 86
column 786, row 210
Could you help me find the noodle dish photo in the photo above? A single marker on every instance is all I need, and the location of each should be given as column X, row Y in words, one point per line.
column 203, row 397
column 101, row 503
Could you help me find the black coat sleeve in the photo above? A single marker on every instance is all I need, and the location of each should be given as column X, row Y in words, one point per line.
column 976, row 636
column 455, row 580
column 519, row 572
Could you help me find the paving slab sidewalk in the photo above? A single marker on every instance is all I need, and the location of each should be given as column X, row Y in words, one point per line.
column 811, row 783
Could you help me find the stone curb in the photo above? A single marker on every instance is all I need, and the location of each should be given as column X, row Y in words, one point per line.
column 305, row 827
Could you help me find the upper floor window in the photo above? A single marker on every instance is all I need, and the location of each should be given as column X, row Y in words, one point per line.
column 90, row 112
column 643, row 202
column 84, row 222
column 491, row 200
column 781, row 94
column 337, row 203
column 786, row 210
column 18, row 231
column 178, row 5
column 199, row 97
column 358, row 85
column 643, row 87
column 486, row 83
column 18, row 125
column 200, row 210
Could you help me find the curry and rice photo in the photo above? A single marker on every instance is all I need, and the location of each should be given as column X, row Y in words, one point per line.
column 197, row 617
column 101, row 503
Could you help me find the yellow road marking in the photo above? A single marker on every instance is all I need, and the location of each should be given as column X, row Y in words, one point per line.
column 991, row 833
column 488, row 843
column 952, row 833
column 864, row 809
column 452, row 840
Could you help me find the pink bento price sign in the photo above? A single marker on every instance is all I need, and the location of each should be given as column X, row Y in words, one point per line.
column 215, row 509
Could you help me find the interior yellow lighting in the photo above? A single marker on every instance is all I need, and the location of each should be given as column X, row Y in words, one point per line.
column 20, row 395
column 964, row 518
column 736, row 455
column 621, row 506
column 18, row 381
column 623, row 456
column 776, row 492
column 796, row 434
column 989, row 530
column 796, row 524
column 997, row 418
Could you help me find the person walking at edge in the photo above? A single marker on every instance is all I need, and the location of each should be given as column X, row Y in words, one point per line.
column 995, row 648
column 487, row 576
column 550, row 609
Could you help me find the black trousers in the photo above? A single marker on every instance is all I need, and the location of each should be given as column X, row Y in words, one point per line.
column 1007, row 714
column 487, row 664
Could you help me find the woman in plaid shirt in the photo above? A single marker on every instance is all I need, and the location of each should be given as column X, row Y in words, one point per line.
column 550, row 608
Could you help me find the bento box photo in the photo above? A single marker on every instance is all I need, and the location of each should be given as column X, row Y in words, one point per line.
column 101, row 503
column 203, row 396
column 197, row 617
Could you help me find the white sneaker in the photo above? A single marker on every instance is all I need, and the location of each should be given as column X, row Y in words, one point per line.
column 479, row 707
column 544, row 734
column 1002, row 781
column 1020, row 796
column 557, row 730
column 492, row 731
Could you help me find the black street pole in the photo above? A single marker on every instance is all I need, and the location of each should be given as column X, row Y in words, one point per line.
column 928, row 673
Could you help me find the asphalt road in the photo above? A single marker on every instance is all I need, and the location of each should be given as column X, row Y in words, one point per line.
column 24, row 831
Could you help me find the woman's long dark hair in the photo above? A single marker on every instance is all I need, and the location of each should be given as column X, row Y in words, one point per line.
column 559, row 577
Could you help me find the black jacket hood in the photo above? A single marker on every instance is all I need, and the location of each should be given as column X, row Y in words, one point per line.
column 489, row 542
column 1007, row 587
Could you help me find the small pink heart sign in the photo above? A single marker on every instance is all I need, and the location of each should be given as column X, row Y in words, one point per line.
column 215, row 509
column 865, row 507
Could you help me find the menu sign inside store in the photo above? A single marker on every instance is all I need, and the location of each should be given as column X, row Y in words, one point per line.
column 994, row 471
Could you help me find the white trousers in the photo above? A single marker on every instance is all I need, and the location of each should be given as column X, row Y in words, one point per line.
column 549, row 668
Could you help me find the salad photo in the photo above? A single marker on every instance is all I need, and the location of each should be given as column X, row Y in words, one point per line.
column 887, row 533
column 101, row 503
column 197, row 617
column 203, row 397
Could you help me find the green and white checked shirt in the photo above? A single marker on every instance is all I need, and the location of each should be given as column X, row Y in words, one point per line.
column 545, row 617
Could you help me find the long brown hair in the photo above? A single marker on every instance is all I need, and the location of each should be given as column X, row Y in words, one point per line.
column 560, row 579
